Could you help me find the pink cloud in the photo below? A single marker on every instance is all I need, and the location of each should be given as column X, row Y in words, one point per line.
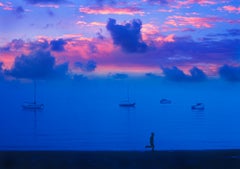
column 133, row 68
column 169, row 38
column 111, row 10
column 80, row 49
column 7, row 6
column 7, row 58
column 165, row 10
column 231, row 9
column 184, row 3
column 201, row 2
column 91, row 23
column 198, row 22
column 148, row 30
column 97, row 24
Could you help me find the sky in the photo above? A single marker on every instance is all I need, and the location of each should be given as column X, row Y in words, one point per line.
column 181, row 40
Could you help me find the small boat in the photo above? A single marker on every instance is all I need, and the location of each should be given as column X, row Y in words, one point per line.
column 165, row 101
column 127, row 104
column 33, row 105
column 198, row 106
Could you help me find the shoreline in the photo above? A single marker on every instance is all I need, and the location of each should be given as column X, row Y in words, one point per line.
column 173, row 159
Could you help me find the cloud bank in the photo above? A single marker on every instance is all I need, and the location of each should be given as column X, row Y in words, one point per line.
column 38, row 65
column 175, row 74
column 230, row 73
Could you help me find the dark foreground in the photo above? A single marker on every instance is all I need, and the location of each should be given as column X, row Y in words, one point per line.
column 214, row 159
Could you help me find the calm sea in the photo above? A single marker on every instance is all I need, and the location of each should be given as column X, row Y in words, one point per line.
column 86, row 116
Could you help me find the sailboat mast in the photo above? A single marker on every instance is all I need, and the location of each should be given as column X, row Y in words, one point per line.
column 35, row 85
column 128, row 94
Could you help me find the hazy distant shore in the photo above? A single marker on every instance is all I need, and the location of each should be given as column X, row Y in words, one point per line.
column 219, row 159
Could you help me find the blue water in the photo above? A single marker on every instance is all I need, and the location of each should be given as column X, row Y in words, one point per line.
column 86, row 116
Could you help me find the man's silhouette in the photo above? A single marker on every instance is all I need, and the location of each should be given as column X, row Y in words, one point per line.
column 151, row 141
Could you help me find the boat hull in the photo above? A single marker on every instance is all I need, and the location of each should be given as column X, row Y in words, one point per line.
column 127, row 104
column 165, row 101
column 33, row 106
column 198, row 106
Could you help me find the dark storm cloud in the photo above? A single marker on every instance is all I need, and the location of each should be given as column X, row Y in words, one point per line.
column 119, row 76
column 33, row 66
column 127, row 36
column 175, row 74
column 90, row 66
column 45, row 1
column 230, row 73
column 58, row 45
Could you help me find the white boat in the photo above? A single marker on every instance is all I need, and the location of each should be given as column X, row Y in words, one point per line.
column 33, row 105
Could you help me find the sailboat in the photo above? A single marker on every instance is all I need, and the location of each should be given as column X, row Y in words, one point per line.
column 33, row 105
column 127, row 103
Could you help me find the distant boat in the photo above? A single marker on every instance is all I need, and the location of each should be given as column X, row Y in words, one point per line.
column 127, row 103
column 33, row 105
column 198, row 106
column 165, row 101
